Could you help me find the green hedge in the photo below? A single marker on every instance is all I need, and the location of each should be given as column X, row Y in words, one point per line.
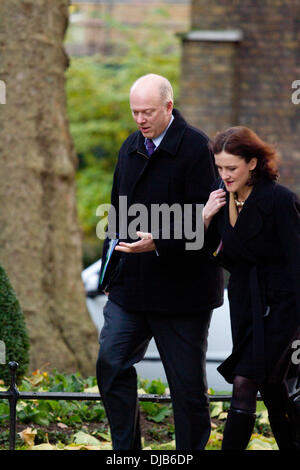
column 13, row 330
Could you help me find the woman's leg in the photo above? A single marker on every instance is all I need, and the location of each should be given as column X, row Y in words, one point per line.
column 275, row 397
column 241, row 415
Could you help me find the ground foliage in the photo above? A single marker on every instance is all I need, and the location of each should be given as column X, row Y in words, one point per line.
column 64, row 425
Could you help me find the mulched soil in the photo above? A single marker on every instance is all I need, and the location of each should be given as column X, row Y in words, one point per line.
column 151, row 432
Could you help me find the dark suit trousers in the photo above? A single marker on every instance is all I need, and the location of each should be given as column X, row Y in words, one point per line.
column 182, row 343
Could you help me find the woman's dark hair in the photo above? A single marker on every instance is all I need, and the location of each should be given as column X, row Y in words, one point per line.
column 245, row 143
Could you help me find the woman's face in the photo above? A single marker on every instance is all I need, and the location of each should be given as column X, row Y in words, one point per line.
column 234, row 171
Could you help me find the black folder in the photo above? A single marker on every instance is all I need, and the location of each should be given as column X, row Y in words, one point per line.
column 109, row 262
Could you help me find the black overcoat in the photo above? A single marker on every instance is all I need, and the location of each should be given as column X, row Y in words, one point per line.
column 171, row 280
column 262, row 253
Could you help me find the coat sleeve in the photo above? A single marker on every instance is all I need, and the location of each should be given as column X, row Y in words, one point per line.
column 200, row 175
column 287, row 210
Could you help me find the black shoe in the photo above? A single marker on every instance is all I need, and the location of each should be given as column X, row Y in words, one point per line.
column 294, row 416
column 284, row 432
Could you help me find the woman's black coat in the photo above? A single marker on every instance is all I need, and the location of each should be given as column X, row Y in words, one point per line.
column 262, row 253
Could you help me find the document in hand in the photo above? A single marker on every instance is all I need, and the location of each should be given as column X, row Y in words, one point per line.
column 108, row 262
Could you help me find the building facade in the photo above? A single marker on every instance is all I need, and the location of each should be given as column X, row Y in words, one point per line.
column 94, row 25
column 241, row 60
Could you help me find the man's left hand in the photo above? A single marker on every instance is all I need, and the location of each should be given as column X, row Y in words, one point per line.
column 141, row 246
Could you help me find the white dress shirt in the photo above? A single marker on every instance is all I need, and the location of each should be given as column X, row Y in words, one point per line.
column 158, row 139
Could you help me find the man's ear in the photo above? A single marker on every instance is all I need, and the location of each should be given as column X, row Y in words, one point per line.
column 170, row 107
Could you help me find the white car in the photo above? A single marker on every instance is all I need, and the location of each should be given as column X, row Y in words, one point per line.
column 219, row 339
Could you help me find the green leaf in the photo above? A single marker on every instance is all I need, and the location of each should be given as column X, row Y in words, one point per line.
column 156, row 387
column 105, row 436
column 217, row 408
column 82, row 438
column 258, row 443
column 150, row 407
column 162, row 414
column 45, row 446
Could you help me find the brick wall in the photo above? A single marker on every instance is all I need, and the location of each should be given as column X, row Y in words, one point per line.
column 246, row 80
column 94, row 35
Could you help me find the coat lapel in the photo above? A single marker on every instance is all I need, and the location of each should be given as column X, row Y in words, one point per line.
column 250, row 220
column 169, row 144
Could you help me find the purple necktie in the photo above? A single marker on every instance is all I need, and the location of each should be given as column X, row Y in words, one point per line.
column 150, row 146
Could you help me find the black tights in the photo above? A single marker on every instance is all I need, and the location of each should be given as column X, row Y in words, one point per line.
column 244, row 394
column 275, row 396
column 241, row 416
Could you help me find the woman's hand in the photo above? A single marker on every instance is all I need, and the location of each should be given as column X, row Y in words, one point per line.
column 217, row 199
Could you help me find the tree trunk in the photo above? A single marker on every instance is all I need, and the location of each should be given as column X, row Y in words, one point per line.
column 40, row 241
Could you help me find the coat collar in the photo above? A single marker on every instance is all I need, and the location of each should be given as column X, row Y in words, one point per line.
column 263, row 195
column 171, row 140
column 250, row 219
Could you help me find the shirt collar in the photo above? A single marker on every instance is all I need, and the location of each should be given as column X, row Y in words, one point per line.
column 158, row 139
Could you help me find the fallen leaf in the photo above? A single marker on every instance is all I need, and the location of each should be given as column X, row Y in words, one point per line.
column 86, row 439
column 28, row 436
column 73, row 446
column 106, row 437
column 62, row 426
column 259, row 442
column 263, row 417
column 217, row 409
column 94, row 389
column 45, row 446
column 37, row 379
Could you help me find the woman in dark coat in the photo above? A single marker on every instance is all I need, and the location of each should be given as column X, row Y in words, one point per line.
column 258, row 223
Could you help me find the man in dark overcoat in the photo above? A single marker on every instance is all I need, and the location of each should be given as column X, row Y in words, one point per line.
column 163, row 286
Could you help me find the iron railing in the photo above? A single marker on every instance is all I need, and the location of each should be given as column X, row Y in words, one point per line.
column 13, row 395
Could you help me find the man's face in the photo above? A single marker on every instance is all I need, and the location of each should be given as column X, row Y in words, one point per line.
column 151, row 115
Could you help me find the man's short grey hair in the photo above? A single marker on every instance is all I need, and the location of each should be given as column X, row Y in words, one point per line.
column 166, row 91
column 165, row 87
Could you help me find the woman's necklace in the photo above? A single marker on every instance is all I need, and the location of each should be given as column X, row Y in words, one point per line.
column 239, row 204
